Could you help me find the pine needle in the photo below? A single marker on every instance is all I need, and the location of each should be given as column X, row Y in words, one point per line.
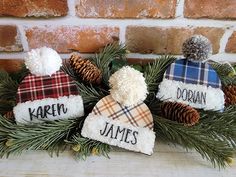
column 19, row 75
column 214, row 137
column 106, row 56
column 88, row 147
column 224, row 69
column 90, row 94
column 69, row 70
column 48, row 135
column 154, row 71
column 8, row 90
column 6, row 106
column 228, row 80
column 226, row 73
column 8, row 87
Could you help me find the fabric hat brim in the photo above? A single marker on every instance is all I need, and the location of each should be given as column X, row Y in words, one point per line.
column 49, row 109
column 195, row 95
column 117, row 133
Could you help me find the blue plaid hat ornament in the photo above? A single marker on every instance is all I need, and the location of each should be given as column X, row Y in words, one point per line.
column 192, row 81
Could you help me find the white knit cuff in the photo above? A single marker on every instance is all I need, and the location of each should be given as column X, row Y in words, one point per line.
column 119, row 134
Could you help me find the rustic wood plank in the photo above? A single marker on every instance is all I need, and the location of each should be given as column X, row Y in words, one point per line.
column 167, row 161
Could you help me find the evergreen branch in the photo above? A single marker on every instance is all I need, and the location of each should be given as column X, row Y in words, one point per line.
column 85, row 147
column 19, row 76
column 3, row 75
column 69, row 70
column 90, row 94
column 154, row 72
column 6, row 126
column 217, row 150
column 6, row 106
column 8, row 87
column 224, row 69
column 103, row 59
column 220, row 125
column 47, row 135
column 226, row 73
column 228, row 80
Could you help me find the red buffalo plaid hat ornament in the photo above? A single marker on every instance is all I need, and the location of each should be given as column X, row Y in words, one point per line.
column 46, row 93
column 122, row 118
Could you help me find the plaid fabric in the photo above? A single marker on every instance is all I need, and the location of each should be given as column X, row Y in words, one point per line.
column 40, row 87
column 193, row 73
column 138, row 116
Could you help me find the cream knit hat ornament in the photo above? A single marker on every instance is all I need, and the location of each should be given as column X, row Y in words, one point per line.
column 122, row 118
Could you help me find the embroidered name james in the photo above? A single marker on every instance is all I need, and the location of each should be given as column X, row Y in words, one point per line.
column 192, row 96
column 122, row 134
column 47, row 111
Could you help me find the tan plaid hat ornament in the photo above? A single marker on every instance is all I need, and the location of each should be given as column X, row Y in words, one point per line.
column 122, row 118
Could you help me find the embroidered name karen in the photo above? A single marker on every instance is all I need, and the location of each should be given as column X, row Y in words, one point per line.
column 47, row 111
column 122, row 134
column 191, row 96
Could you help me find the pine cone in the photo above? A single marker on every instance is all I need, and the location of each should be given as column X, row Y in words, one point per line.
column 179, row 112
column 230, row 94
column 85, row 69
column 9, row 115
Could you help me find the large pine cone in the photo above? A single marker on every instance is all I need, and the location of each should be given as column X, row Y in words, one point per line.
column 180, row 112
column 230, row 94
column 85, row 69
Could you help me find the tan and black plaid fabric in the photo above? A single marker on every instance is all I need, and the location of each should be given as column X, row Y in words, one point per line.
column 138, row 115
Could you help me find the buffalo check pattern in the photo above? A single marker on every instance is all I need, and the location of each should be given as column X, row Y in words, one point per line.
column 190, row 72
column 138, row 115
column 40, row 87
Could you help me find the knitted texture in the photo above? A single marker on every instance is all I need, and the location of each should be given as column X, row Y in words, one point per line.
column 197, row 48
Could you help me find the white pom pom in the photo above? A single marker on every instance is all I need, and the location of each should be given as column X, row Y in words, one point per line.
column 43, row 61
column 128, row 86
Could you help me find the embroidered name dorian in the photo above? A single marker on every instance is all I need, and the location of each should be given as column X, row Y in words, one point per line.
column 197, row 96
column 49, row 108
column 192, row 96
column 119, row 134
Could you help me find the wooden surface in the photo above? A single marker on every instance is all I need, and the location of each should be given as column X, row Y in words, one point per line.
column 167, row 161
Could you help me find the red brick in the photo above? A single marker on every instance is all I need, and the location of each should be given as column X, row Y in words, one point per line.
column 11, row 65
column 66, row 39
column 33, row 8
column 10, row 39
column 126, row 8
column 161, row 40
column 216, row 9
column 231, row 45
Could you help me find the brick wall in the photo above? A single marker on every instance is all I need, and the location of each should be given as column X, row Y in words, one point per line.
column 148, row 27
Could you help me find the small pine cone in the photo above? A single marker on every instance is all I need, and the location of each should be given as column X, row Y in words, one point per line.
column 230, row 94
column 180, row 112
column 9, row 115
column 85, row 69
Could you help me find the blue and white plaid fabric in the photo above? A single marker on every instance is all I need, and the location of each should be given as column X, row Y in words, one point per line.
column 193, row 73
